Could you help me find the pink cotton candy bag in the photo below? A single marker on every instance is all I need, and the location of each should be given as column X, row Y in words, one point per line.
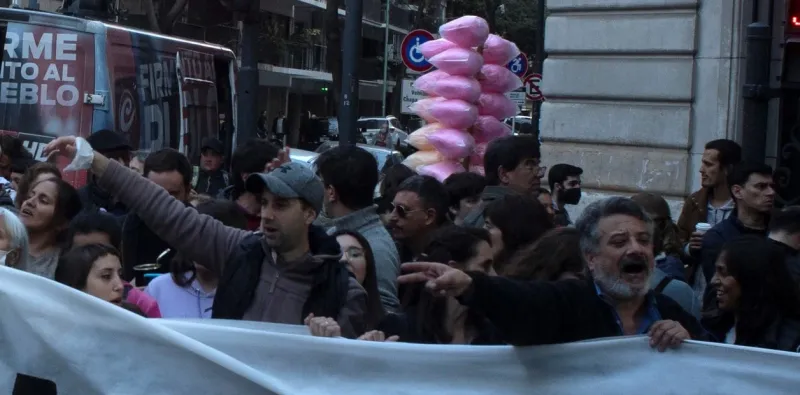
column 488, row 128
column 496, row 105
column 458, row 61
column 494, row 78
column 499, row 51
column 441, row 170
column 467, row 32
column 452, row 144
column 456, row 114
column 432, row 48
column 450, row 87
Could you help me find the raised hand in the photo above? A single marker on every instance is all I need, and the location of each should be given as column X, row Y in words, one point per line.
column 438, row 277
column 281, row 159
column 667, row 334
column 377, row 336
column 323, row 326
column 64, row 146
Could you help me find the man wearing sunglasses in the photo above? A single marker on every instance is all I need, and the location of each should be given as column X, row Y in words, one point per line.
column 513, row 166
column 419, row 207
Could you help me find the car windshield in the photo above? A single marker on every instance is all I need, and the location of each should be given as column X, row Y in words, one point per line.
column 370, row 123
column 395, row 122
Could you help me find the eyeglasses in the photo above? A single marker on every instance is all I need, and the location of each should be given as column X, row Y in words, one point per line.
column 533, row 165
column 402, row 212
column 353, row 253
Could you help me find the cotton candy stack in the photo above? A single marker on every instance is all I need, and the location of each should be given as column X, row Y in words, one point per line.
column 466, row 98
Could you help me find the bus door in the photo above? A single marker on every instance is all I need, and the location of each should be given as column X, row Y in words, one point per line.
column 198, row 101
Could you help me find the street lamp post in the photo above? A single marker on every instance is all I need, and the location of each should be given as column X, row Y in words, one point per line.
column 385, row 57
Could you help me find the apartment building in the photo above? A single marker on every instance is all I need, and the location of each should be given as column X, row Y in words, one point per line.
column 294, row 76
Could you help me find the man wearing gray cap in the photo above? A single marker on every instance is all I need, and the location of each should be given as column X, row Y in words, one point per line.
column 282, row 274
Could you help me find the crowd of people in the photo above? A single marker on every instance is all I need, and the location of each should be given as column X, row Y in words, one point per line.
column 482, row 260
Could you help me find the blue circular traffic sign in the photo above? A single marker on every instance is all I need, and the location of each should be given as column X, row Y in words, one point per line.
column 412, row 58
column 519, row 65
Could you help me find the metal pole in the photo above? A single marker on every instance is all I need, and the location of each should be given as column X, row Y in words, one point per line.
column 247, row 82
column 385, row 58
column 351, row 48
column 756, row 92
column 536, row 108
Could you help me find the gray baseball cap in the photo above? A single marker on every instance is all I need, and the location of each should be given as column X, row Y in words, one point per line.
column 290, row 181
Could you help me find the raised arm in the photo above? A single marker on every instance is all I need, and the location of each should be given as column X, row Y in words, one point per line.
column 196, row 236
column 199, row 237
column 525, row 313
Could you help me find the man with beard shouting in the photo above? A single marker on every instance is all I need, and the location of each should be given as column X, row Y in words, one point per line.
column 616, row 242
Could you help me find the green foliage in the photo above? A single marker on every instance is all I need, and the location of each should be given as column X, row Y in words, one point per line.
column 515, row 20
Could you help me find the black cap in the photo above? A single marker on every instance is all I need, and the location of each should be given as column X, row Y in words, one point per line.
column 20, row 165
column 107, row 141
column 213, row 144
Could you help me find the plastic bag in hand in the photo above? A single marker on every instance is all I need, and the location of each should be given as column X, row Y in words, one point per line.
column 84, row 156
column 456, row 114
column 452, row 143
column 496, row 105
column 429, row 49
column 494, row 78
column 468, row 31
column 419, row 138
column 422, row 158
column 449, row 86
column 441, row 170
column 488, row 128
column 458, row 61
column 498, row 50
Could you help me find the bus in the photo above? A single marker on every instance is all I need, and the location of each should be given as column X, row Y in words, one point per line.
column 62, row 75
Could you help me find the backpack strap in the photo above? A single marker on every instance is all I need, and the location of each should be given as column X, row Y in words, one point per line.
column 662, row 284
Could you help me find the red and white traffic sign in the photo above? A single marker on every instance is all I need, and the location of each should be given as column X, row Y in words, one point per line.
column 409, row 50
column 532, row 86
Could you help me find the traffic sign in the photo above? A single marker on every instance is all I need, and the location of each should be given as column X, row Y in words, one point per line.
column 518, row 97
column 519, row 65
column 532, row 87
column 412, row 58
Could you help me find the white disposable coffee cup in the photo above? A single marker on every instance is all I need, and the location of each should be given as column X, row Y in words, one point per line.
column 702, row 227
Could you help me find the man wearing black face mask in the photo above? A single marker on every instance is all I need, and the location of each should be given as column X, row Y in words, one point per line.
column 565, row 185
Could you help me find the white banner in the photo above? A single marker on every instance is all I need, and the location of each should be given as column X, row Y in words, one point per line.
column 89, row 347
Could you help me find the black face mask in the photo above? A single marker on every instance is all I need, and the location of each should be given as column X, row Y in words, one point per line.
column 570, row 196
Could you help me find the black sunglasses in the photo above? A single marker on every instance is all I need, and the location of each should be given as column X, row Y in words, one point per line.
column 402, row 212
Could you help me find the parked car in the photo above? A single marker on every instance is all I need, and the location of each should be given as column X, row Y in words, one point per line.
column 519, row 122
column 303, row 157
column 370, row 126
column 381, row 154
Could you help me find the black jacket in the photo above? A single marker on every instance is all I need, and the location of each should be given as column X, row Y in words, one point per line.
column 211, row 183
column 93, row 199
column 237, row 285
column 792, row 260
column 781, row 334
column 406, row 327
column 534, row 313
column 716, row 237
column 140, row 245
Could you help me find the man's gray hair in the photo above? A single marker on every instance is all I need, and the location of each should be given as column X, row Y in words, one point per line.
column 593, row 213
column 17, row 234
